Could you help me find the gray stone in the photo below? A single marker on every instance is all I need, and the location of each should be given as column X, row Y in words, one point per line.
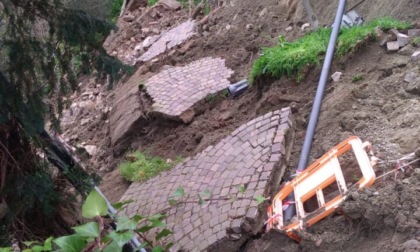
column 411, row 245
column 413, row 87
column 172, row 4
column 263, row 12
column 91, row 150
column 410, row 77
column 402, row 39
column 413, row 33
column 85, row 121
column 393, row 46
column 336, row 76
column 407, row 50
column 415, row 56
column 249, row 27
column 289, row 29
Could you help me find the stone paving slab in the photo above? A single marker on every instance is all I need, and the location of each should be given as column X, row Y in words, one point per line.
column 169, row 39
column 254, row 156
column 177, row 89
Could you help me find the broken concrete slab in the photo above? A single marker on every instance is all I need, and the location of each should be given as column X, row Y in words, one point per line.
column 392, row 46
column 176, row 90
column 255, row 155
column 169, row 39
column 127, row 113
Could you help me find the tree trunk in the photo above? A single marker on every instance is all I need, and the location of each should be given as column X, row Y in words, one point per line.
column 311, row 14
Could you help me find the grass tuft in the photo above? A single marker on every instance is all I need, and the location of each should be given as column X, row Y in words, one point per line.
column 290, row 59
column 357, row 78
column 141, row 167
column 416, row 42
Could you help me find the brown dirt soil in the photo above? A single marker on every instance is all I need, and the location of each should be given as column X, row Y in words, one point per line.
column 379, row 108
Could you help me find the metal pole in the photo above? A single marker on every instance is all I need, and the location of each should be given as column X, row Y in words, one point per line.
column 313, row 121
column 290, row 212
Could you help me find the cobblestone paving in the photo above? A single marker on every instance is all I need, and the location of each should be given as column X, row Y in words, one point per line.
column 169, row 39
column 254, row 156
column 177, row 89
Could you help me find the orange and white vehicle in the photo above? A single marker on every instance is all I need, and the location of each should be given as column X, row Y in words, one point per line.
column 311, row 182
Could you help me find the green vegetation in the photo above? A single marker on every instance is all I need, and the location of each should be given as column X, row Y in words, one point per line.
column 290, row 59
column 141, row 167
column 357, row 78
column 152, row 2
column 43, row 44
column 97, row 236
column 116, row 9
column 415, row 42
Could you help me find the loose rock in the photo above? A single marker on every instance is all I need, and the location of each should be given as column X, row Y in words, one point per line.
column 91, row 149
column 336, row 76
column 305, row 26
column 393, row 46
column 410, row 77
column 415, row 56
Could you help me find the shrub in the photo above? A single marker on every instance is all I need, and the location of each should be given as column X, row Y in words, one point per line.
column 141, row 167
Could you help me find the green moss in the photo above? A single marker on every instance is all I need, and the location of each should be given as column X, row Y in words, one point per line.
column 142, row 167
column 290, row 59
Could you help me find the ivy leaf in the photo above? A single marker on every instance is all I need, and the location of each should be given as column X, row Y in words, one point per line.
column 47, row 244
column 121, row 238
column 172, row 202
column 168, row 246
column 156, row 217
column 260, row 199
column 112, row 247
column 90, row 229
column 121, row 205
column 70, row 243
column 28, row 243
column 37, row 248
column 95, row 205
column 137, row 218
column 145, row 229
column 179, row 192
column 25, row 250
column 125, row 223
column 157, row 249
column 164, row 233
column 158, row 223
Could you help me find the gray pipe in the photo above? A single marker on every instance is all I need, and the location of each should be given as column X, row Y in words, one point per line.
column 313, row 120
